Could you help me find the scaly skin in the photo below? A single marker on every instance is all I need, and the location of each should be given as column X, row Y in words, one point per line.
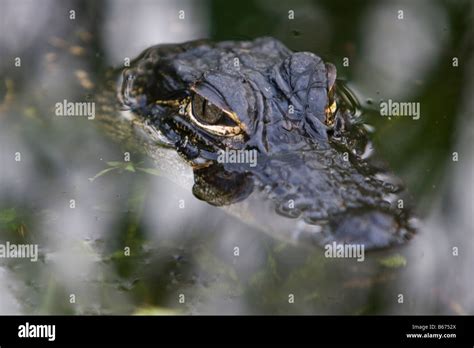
column 312, row 179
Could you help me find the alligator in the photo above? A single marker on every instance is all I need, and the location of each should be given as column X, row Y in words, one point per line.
column 314, row 176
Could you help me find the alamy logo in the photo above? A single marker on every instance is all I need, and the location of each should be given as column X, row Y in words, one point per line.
column 238, row 156
column 84, row 109
column 23, row 251
column 392, row 108
column 37, row 331
column 346, row 251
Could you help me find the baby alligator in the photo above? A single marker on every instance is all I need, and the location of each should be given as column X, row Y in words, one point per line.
column 269, row 133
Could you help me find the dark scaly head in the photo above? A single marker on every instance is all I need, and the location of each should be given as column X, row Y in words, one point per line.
column 205, row 97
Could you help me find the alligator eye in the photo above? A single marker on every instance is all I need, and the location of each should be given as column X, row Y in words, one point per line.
column 213, row 119
column 205, row 111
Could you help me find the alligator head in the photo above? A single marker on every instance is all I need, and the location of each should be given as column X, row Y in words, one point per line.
column 254, row 116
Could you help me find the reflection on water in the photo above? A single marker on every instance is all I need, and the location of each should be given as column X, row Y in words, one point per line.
column 130, row 241
column 388, row 48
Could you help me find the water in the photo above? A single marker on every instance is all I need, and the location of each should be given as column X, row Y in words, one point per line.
column 131, row 241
